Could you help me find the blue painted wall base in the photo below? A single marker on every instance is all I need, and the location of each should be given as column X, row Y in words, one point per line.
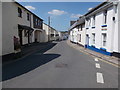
column 98, row 50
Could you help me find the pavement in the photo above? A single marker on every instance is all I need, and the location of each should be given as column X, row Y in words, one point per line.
column 110, row 59
column 28, row 50
column 61, row 66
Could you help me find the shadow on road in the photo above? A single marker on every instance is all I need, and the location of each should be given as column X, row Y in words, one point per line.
column 25, row 65
column 21, row 66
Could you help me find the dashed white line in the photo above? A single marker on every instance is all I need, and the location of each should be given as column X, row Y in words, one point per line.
column 96, row 59
column 97, row 65
column 100, row 78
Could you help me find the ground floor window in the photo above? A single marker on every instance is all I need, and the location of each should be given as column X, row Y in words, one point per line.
column 93, row 36
column 80, row 38
column 104, row 37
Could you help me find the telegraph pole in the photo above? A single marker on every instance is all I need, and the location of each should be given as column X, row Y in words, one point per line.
column 49, row 28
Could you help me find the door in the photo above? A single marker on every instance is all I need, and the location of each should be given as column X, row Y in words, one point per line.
column 20, row 36
column 87, row 40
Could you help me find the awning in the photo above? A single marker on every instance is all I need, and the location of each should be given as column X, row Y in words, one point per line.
column 21, row 27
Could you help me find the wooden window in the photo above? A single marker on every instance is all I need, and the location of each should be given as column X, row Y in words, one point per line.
column 19, row 12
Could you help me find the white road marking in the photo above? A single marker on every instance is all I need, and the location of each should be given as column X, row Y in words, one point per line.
column 96, row 59
column 100, row 78
column 97, row 65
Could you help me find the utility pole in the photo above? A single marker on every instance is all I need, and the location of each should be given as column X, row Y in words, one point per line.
column 49, row 28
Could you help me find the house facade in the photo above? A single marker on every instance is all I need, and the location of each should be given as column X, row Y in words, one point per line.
column 20, row 27
column 15, row 27
column 101, row 29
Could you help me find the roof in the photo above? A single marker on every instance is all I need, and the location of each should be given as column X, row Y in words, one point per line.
column 27, row 10
column 80, row 21
column 93, row 9
column 73, row 26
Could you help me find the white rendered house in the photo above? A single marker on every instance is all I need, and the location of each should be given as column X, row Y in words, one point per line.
column 102, row 28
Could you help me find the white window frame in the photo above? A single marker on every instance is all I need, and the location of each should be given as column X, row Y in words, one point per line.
column 104, row 40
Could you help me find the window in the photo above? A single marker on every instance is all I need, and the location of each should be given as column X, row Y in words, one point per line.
column 81, row 27
column 28, row 16
column 94, row 20
column 105, row 16
column 19, row 12
column 93, row 36
column 89, row 22
column 104, row 37
column 80, row 38
column 36, row 21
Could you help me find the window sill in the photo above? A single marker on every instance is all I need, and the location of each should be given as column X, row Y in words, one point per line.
column 104, row 26
column 93, row 27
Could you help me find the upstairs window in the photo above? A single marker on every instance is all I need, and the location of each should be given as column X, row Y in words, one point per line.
column 19, row 12
column 28, row 16
column 105, row 17
column 81, row 27
column 94, row 20
column 36, row 21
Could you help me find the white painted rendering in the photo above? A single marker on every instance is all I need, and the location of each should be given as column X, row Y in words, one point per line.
column 96, row 35
column 81, row 34
column 9, row 27
column 0, row 29
column 111, row 32
column 45, row 28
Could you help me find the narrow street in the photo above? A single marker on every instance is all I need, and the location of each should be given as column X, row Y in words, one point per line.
column 60, row 67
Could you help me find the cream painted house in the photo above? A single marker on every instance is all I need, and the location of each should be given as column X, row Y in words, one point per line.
column 19, row 25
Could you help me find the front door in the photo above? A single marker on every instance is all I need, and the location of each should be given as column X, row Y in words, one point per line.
column 20, row 36
column 87, row 40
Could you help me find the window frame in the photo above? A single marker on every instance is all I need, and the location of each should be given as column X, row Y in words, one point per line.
column 19, row 12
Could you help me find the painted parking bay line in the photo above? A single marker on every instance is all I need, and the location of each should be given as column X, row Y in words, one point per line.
column 96, row 59
column 97, row 65
column 100, row 78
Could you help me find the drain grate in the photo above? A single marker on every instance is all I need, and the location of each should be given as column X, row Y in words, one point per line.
column 61, row 65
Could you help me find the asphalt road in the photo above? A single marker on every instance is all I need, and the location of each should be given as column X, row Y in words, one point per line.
column 60, row 67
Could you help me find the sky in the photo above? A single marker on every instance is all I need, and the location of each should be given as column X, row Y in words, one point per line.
column 61, row 13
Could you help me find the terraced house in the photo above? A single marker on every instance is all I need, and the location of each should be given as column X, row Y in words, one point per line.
column 19, row 27
column 102, row 28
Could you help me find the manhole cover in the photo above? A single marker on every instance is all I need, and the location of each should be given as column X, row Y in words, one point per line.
column 61, row 65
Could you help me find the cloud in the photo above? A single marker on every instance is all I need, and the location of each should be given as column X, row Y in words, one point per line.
column 57, row 12
column 30, row 7
column 89, row 9
column 75, row 15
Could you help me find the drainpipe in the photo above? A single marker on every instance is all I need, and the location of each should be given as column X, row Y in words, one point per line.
column 113, row 25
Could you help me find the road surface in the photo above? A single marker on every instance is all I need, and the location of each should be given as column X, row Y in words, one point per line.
column 60, row 67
